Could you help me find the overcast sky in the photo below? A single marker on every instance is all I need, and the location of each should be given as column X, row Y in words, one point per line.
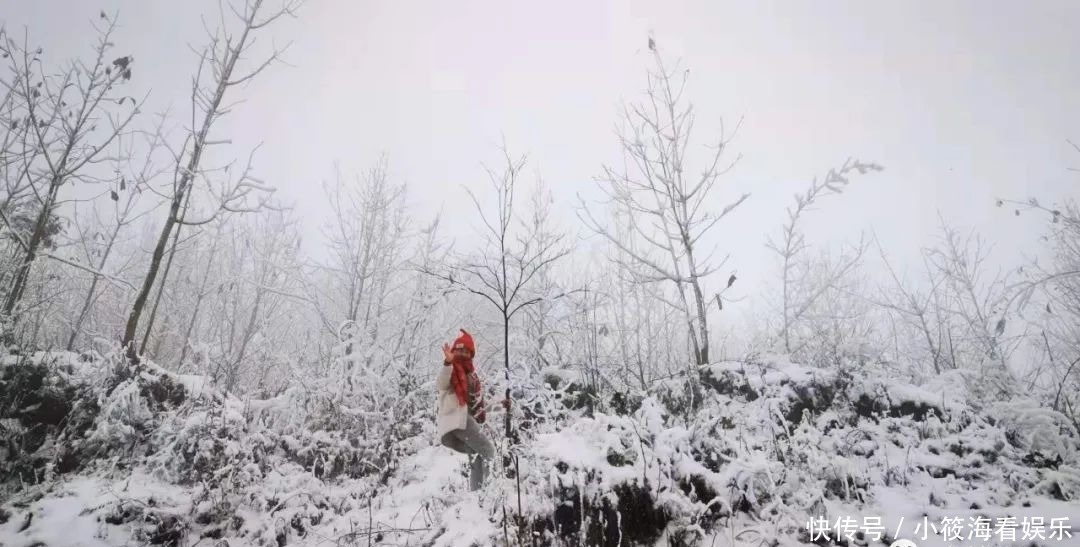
column 961, row 102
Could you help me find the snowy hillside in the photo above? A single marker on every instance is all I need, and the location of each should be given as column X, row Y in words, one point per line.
column 94, row 456
column 604, row 274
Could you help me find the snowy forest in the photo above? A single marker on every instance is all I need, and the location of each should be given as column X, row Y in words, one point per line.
column 178, row 369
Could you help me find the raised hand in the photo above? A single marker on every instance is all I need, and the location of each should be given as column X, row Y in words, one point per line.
column 447, row 356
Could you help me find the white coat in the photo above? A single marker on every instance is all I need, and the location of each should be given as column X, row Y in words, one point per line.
column 451, row 414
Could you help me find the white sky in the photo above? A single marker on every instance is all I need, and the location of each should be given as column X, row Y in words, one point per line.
column 962, row 102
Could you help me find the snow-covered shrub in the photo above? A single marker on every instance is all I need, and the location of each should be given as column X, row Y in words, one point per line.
column 567, row 387
column 1045, row 433
column 45, row 409
column 769, row 444
column 775, row 443
column 126, row 420
column 132, row 399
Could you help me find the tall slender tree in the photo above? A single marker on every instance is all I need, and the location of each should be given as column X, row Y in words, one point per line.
column 216, row 75
column 672, row 204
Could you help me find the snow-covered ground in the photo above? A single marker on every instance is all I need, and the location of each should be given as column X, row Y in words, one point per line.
column 730, row 464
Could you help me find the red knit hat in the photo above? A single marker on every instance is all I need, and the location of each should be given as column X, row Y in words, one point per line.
column 465, row 341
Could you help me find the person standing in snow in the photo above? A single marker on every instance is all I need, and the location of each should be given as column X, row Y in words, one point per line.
column 461, row 407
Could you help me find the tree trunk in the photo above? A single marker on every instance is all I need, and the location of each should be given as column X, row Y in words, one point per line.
column 787, row 304
column 128, row 341
column 703, row 327
column 224, row 73
column 164, row 276
column 506, row 363
column 23, row 274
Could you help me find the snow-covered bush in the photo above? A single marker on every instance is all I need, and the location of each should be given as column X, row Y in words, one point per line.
column 764, row 445
column 47, row 407
column 773, row 444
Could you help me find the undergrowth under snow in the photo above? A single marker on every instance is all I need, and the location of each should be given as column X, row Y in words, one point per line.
column 749, row 454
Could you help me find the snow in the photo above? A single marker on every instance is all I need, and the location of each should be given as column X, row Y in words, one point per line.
column 733, row 471
column 60, row 519
column 72, row 514
column 194, row 385
column 905, row 508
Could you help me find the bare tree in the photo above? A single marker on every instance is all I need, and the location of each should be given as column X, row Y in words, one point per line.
column 419, row 330
column 202, row 289
column 1066, row 219
column 954, row 312
column 800, row 289
column 67, row 119
column 674, row 205
column 920, row 314
column 367, row 235
column 1053, row 290
column 646, row 325
column 842, row 327
column 504, row 270
column 510, row 258
column 544, row 321
column 1063, row 316
column 99, row 239
column 218, row 61
column 977, row 297
column 585, row 330
column 17, row 151
column 252, row 315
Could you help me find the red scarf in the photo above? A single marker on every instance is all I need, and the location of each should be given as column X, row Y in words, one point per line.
column 459, row 378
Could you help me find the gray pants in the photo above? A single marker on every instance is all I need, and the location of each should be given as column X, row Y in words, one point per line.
column 472, row 441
